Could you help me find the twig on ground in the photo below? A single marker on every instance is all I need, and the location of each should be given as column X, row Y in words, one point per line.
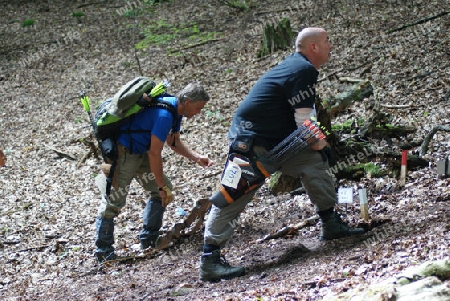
column 419, row 22
column 330, row 75
column 84, row 158
column 195, row 45
column 211, row 174
column 394, row 106
column 342, row 69
column 34, row 248
column 93, row 151
column 136, row 23
column 351, row 79
column 61, row 153
column 92, row 3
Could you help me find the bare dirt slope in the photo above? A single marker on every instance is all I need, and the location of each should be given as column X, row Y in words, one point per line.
column 49, row 201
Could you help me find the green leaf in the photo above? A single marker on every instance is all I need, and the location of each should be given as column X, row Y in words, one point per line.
column 78, row 14
column 28, row 22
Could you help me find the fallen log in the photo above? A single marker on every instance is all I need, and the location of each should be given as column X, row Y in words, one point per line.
column 340, row 101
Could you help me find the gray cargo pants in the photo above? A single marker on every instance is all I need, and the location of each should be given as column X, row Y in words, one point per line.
column 308, row 165
column 129, row 167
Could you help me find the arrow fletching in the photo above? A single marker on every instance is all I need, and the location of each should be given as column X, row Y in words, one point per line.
column 86, row 102
column 159, row 88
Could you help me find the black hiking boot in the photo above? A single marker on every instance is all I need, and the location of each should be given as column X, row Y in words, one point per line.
column 214, row 267
column 149, row 243
column 102, row 256
column 333, row 227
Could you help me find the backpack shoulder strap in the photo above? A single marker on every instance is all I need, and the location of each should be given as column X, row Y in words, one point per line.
column 169, row 107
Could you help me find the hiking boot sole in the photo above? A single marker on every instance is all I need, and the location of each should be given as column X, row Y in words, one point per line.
column 226, row 277
column 348, row 234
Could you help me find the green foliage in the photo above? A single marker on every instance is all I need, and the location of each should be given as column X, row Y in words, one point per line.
column 78, row 14
column 28, row 22
column 347, row 126
column 126, row 64
column 161, row 32
column 373, row 169
column 214, row 114
column 132, row 13
column 349, row 142
column 385, row 126
column 370, row 169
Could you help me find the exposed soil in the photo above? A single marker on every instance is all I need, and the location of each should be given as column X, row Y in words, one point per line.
column 49, row 198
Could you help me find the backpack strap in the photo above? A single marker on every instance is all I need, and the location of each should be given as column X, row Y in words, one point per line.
column 171, row 108
column 160, row 104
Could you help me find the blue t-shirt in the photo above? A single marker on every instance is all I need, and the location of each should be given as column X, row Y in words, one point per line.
column 150, row 121
column 267, row 112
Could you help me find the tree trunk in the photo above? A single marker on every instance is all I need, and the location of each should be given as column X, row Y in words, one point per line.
column 276, row 37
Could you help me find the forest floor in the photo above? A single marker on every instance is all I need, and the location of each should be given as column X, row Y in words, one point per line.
column 49, row 197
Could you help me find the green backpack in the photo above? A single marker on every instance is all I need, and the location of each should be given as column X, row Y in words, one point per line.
column 118, row 110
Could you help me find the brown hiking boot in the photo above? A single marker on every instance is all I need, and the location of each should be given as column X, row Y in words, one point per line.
column 333, row 227
column 214, row 267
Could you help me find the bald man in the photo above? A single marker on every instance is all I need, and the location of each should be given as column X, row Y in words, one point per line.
column 280, row 101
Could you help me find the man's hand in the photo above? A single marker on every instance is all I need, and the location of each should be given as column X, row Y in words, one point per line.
column 319, row 145
column 204, row 162
column 166, row 196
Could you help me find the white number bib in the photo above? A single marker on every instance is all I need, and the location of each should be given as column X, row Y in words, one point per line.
column 232, row 175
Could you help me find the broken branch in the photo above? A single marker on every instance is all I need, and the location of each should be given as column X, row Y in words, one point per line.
column 429, row 136
column 62, row 154
column 290, row 229
column 418, row 22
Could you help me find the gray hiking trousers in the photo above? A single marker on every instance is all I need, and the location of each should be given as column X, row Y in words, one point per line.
column 314, row 173
column 129, row 167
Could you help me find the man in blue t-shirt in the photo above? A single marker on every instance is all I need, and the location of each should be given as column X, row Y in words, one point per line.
column 280, row 101
column 140, row 145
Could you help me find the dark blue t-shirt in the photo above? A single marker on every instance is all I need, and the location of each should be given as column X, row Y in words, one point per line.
column 152, row 121
column 267, row 111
